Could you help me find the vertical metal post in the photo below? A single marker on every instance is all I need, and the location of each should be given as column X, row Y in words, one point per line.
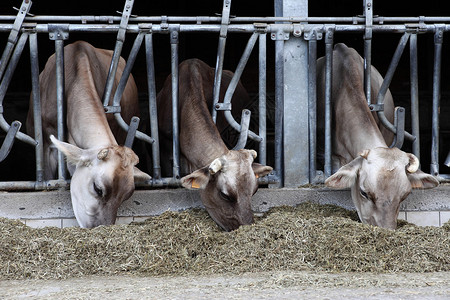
column 328, row 88
column 279, row 109
column 295, row 107
column 175, row 134
column 414, row 94
column 220, row 55
column 60, row 105
column 153, row 111
column 34, row 59
column 368, row 13
column 438, row 39
column 312, row 105
column 262, row 98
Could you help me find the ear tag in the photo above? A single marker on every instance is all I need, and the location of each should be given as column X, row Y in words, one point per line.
column 194, row 184
column 256, row 175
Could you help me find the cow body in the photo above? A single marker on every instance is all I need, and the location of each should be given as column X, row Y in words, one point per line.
column 227, row 179
column 102, row 172
column 380, row 177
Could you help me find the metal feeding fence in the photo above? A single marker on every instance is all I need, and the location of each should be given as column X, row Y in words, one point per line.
column 292, row 31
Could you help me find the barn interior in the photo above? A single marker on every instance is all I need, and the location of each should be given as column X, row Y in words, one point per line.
column 19, row 165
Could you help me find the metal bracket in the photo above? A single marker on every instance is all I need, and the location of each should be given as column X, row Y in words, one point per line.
column 134, row 123
column 164, row 25
column 174, row 35
column 399, row 122
column 223, row 106
column 58, row 31
column 329, row 33
column 243, row 133
column 110, row 109
column 260, row 27
column 225, row 18
column 9, row 139
column 313, row 34
column 368, row 13
column 376, row 107
column 124, row 20
column 280, row 35
column 298, row 30
column 439, row 33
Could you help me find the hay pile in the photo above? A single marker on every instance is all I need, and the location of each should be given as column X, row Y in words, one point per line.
column 307, row 237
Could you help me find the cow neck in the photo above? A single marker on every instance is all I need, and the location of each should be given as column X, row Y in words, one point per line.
column 199, row 134
column 86, row 120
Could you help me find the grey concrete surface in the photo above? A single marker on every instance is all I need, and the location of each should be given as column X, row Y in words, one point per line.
column 57, row 204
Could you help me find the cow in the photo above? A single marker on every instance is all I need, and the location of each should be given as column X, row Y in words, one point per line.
column 102, row 172
column 380, row 177
column 227, row 179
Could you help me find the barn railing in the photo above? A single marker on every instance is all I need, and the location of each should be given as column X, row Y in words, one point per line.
column 306, row 30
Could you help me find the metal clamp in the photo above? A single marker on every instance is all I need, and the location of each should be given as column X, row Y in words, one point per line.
column 313, row 34
column 112, row 109
column 260, row 27
column 164, row 24
column 223, row 106
column 376, row 107
column 225, row 18
column 58, row 31
column 124, row 20
column 298, row 30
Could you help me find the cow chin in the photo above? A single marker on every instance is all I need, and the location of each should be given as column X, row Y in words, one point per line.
column 90, row 213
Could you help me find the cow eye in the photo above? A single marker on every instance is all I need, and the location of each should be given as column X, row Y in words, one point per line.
column 226, row 197
column 364, row 194
column 98, row 190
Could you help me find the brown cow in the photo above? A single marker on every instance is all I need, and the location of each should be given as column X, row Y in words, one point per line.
column 227, row 179
column 103, row 173
column 380, row 177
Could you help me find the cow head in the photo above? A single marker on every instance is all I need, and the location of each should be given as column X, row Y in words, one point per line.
column 227, row 186
column 102, row 180
column 380, row 179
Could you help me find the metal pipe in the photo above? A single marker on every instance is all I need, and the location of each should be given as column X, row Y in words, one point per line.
column 153, row 111
column 414, row 94
column 39, row 149
column 312, row 107
column 60, row 105
column 387, row 81
column 122, row 84
column 262, row 98
column 175, row 121
column 234, row 82
column 5, row 84
column 328, row 88
column 279, row 108
column 438, row 40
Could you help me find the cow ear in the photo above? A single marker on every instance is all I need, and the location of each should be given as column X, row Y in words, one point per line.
column 196, row 180
column 140, row 176
column 422, row 180
column 73, row 154
column 261, row 170
column 346, row 175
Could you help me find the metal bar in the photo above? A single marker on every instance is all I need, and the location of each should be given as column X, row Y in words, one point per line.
column 9, row 139
column 175, row 122
column 414, row 94
column 312, row 107
column 262, row 98
column 39, row 149
column 279, row 109
column 245, row 121
column 60, row 105
column 233, row 83
column 399, row 121
column 121, row 87
column 438, row 40
column 153, row 111
column 368, row 13
column 220, row 55
column 13, row 35
column 387, row 81
column 117, row 51
column 134, row 123
column 328, row 87
column 5, row 84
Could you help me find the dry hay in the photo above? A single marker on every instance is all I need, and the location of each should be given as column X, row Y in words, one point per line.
column 307, row 237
